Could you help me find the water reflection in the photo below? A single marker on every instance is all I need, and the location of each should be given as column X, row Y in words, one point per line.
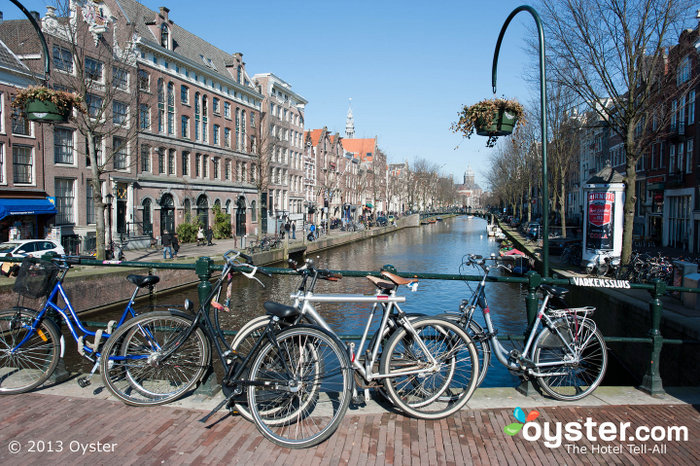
column 436, row 248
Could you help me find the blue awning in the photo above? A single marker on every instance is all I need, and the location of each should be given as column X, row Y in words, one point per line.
column 26, row 207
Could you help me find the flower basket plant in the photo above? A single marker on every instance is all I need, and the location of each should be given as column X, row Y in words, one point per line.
column 490, row 117
column 44, row 104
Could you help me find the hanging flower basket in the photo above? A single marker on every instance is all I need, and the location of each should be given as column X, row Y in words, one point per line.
column 42, row 104
column 491, row 118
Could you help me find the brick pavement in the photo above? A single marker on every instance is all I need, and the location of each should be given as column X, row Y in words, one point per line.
column 172, row 435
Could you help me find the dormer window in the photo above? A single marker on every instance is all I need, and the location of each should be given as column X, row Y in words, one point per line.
column 164, row 36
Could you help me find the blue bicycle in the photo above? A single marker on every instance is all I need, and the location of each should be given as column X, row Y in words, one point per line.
column 31, row 342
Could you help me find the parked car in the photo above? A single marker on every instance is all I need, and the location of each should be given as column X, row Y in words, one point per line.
column 30, row 247
column 381, row 221
column 533, row 231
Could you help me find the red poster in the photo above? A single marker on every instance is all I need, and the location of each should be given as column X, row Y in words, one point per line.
column 601, row 207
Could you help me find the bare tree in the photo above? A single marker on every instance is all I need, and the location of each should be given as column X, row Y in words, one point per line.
column 262, row 150
column 616, row 50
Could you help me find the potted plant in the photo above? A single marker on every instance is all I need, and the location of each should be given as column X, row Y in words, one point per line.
column 490, row 117
column 44, row 104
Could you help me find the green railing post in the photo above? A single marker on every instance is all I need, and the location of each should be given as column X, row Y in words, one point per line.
column 531, row 300
column 203, row 269
column 651, row 383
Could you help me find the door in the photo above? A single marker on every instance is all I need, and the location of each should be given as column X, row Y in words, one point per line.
column 167, row 214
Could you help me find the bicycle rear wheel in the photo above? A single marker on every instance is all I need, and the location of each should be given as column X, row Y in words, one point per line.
column 131, row 366
column 574, row 375
column 418, row 388
column 301, row 387
column 26, row 367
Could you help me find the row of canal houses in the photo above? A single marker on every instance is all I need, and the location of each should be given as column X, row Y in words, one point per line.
column 182, row 127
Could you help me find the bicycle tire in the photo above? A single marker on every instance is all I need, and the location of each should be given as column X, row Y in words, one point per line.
column 131, row 372
column 483, row 346
column 322, row 381
column 435, row 394
column 34, row 362
column 573, row 380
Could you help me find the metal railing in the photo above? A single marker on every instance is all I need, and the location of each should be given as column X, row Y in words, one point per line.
column 205, row 267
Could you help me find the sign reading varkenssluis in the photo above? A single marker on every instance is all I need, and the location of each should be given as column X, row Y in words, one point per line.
column 600, row 229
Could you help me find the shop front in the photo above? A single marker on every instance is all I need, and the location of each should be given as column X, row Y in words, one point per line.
column 25, row 218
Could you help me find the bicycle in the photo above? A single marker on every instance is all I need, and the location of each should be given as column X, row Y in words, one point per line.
column 31, row 342
column 297, row 382
column 426, row 364
column 567, row 357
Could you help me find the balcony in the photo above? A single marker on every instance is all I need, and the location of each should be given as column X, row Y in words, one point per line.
column 676, row 131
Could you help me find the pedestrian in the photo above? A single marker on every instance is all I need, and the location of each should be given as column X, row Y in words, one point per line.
column 200, row 236
column 167, row 241
column 210, row 236
column 176, row 245
column 287, row 228
column 282, row 231
column 294, row 230
column 312, row 232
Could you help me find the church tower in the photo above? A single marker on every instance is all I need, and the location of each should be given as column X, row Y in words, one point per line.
column 469, row 177
column 350, row 123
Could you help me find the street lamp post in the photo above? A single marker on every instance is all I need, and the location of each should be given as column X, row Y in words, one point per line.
column 110, row 198
column 543, row 123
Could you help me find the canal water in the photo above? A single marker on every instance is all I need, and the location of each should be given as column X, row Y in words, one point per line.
column 436, row 248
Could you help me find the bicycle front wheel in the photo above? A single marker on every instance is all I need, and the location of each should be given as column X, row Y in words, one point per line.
column 131, row 364
column 300, row 387
column 574, row 374
column 420, row 387
column 27, row 357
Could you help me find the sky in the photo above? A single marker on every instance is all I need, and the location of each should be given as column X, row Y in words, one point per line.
column 408, row 66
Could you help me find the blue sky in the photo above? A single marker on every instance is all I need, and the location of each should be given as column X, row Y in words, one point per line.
column 408, row 66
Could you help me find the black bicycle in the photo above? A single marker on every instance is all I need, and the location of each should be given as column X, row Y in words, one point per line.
column 297, row 382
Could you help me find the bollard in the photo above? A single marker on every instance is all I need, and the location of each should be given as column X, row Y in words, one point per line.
column 203, row 269
column 651, row 383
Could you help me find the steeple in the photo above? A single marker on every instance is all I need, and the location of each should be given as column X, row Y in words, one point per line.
column 469, row 176
column 350, row 123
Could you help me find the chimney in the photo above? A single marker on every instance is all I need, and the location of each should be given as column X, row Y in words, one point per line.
column 36, row 16
column 0, row 17
column 164, row 12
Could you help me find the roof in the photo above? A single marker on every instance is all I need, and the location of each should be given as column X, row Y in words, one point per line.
column 315, row 135
column 606, row 176
column 364, row 148
column 9, row 60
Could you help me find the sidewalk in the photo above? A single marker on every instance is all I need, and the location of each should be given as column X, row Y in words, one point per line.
column 56, row 424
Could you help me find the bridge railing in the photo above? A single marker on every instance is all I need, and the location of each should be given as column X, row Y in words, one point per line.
column 205, row 267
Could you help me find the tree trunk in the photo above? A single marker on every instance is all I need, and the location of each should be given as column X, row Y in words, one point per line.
column 630, row 201
column 562, row 206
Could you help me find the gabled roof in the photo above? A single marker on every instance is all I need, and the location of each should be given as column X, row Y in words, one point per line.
column 20, row 36
column 364, row 148
column 9, row 60
column 314, row 135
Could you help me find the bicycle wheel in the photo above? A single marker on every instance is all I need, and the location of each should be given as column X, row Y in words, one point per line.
column 416, row 386
column 301, row 387
column 130, row 365
column 483, row 347
column 26, row 367
column 573, row 375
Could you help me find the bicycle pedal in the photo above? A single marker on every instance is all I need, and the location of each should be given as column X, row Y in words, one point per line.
column 84, row 382
column 358, row 400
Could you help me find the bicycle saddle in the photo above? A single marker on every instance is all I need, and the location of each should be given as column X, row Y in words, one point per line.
column 143, row 280
column 556, row 291
column 280, row 310
column 379, row 283
column 398, row 280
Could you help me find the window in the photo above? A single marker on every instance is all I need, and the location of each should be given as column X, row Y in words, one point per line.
column 2, row 164
column 689, row 156
column 215, row 163
column 120, row 78
column 145, row 158
column 227, row 137
column 185, row 163
column 238, row 129
column 244, row 131
column 94, row 105
column 672, row 158
column 197, row 116
column 62, row 59
column 20, row 125
column 253, row 211
column 683, row 71
column 93, row 69
column 674, row 115
column 252, row 120
column 171, row 108
column 184, row 94
column 171, row 162
column 120, row 111
column 22, row 164
column 691, row 107
column 205, row 166
column 227, row 109
column 144, row 117
column 161, row 161
column 216, row 135
column 227, row 172
column 97, row 141
column 216, row 105
column 120, row 153
column 144, row 80
column 185, row 127
column 205, row 136
column 161, row 106
column 64, row 201
column 63, row 145
column 197, row 165
column 89, row 204
column 164, row 36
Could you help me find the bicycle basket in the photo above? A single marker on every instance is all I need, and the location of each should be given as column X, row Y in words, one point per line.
column 35, row 278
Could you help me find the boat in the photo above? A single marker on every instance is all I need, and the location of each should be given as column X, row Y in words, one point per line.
column 439, row 219
column 470, row 216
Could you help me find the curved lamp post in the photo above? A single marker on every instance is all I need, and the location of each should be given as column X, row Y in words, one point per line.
column 37, row 28
column 543, row 122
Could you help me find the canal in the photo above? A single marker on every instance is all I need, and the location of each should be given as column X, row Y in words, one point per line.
column 435, row 248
